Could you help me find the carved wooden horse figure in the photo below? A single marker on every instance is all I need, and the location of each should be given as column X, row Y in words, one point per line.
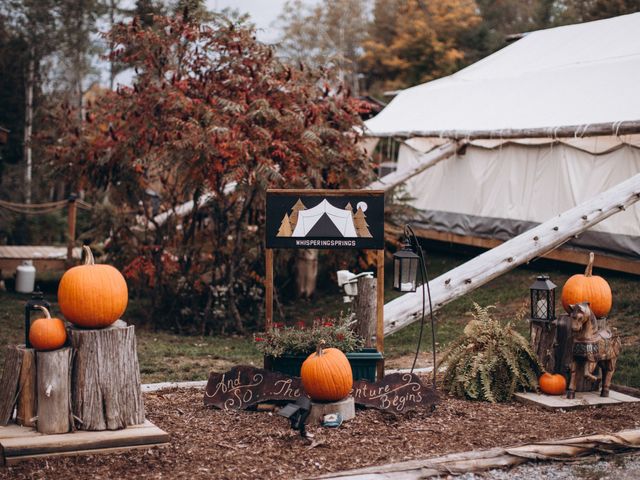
column 591, row 348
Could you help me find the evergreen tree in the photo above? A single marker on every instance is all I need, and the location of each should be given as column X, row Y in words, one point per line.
column 360, row 222
column 285, row 227
column 294, row 213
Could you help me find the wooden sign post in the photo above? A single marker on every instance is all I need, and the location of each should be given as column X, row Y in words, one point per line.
column 327, row 219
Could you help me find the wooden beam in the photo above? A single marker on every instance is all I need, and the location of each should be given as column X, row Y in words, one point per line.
column 533, row 243
column 268, row 286
column 427, row 160
column 380, row 311
column 562, row 254
column 628, row 127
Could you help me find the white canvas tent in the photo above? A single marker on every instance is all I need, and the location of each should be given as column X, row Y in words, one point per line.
column 548, row 121
column 342, row 219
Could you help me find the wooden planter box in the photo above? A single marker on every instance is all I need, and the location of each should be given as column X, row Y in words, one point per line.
column 363, row 363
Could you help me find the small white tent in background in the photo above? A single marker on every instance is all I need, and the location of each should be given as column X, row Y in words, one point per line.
column 546, row 123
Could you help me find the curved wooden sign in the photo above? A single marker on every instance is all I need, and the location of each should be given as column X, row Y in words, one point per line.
column 242, row 387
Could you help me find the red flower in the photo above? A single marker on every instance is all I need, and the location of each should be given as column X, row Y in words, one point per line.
column 300, row 325
column 278, row 325
column 340, row 336
column 327, row 324
column 259, row 339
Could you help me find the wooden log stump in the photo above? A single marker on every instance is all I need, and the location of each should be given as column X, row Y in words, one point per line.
column 345, row 407
column 106, row 391
column 543, row 343
column 54, row 401
column 27, row 390
column 365, row 309
column 9, row 383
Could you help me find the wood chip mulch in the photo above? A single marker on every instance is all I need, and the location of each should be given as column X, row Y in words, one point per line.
column 213, row 444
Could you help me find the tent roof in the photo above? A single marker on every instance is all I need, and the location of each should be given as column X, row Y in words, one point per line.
column 574, row 75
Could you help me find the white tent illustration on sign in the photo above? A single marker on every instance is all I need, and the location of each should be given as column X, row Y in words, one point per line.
column 342, row 220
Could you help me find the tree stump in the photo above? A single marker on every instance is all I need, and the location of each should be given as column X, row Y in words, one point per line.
column 365, row 309
column 106, row 391
column 27, row 390
column 543, row 343
column 345, row 407
column 54, row 402
column 9, row 383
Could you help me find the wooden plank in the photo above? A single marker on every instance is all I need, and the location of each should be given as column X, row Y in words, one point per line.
column 566, row 255
column 96, row 451
column 582, row 400
column 39, row 444
column 531, row 244
column 369, row 191
column 9, row 383
column 427, row 161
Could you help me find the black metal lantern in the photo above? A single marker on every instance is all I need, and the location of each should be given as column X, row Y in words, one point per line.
column 406, row 263
column 543, row 299
column 36, row 300
column 405, row 269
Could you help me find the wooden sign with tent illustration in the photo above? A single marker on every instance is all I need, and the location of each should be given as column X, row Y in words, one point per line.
column 327, row 219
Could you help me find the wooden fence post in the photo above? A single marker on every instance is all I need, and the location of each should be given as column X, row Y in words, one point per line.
column 366, row 308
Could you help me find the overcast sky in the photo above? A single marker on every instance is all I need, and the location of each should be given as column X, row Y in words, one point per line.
column 263, row 13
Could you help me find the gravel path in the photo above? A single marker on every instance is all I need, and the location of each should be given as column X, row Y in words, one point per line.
column 619, row 467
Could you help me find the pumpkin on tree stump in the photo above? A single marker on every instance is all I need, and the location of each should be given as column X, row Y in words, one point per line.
column 326, row 375
column 588, row 288
column 92, row 296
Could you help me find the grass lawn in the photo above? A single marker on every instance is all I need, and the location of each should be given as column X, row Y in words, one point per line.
column 168, row 357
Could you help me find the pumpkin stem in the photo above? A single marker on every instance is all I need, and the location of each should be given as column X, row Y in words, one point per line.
column 44, row 310
column 589, row 270
column 321, row 344
column 88, row 256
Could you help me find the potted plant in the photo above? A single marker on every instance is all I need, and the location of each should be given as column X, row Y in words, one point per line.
column 286, row 347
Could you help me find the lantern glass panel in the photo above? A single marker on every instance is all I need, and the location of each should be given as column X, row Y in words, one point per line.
column 396, row 273
column 408, row 274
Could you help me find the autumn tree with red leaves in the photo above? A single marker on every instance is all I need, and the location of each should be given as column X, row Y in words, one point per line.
column 212, row 120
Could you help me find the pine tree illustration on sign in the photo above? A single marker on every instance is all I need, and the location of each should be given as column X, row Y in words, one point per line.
column 294, row 213
column 285, row 227
column 359, row 219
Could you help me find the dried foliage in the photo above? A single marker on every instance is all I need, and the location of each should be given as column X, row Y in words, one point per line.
column 299, row 340
column 489, row 361
column 213, row 118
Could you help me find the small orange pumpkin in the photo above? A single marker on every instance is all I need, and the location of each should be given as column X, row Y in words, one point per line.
column 92, row 296
column 588, row 288
column 552, row 384
column 326, row 375
column 47, row 333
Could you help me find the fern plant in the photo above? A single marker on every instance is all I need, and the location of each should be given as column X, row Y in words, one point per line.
column 490, row 361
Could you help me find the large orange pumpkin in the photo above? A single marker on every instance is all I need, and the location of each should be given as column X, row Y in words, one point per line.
column 326, row 375
column 47, row 333
column 92, row 296
column 552, row 384
column 588, row 288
